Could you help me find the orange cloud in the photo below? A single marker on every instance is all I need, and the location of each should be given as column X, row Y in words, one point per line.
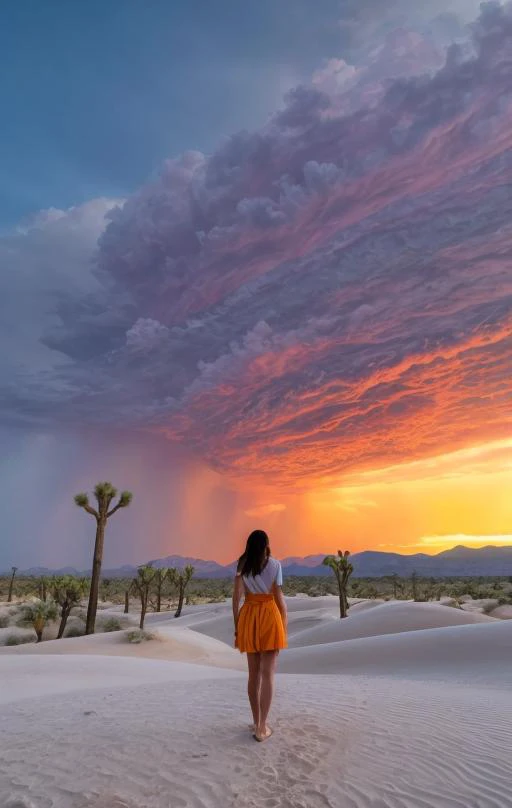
column 265, row 509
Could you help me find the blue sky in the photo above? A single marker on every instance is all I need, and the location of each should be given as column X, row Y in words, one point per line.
column 95, row 95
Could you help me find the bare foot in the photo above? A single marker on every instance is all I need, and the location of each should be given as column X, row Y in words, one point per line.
column 263, row 734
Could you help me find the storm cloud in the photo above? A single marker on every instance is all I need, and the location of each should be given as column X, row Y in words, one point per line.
column 331, row 292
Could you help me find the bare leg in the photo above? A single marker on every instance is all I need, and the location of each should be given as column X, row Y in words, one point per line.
column 267, row 670
column 254, row 685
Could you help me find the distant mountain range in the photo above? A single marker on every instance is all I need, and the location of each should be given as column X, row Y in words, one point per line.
column 459, row 561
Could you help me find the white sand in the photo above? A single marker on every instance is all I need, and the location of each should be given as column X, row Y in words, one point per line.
column 386, row 618
column 172, row 643
column 502, row 612
column 418, row 717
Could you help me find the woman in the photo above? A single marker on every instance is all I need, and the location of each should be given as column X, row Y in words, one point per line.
column 260, row 625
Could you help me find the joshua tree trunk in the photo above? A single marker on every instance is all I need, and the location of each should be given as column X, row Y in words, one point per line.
column 127, row 601
column 181, row 580
column 161, row 576
column 39, row 628
column 144, row 597
column 95, row 576
column 180, row 600
column 414, row 586
column 342, row 576
column 66, row 611
column 42, row 589
column 11, row 584
column 342, row 587
column 143, row 609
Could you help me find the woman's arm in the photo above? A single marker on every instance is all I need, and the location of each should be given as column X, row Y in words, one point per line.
column 237, row 597
column 281, row 603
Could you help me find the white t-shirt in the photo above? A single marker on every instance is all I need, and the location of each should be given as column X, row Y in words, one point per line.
column 262, row 584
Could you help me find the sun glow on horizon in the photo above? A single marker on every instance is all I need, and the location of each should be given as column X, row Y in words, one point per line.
column 431, row 545
column 429, row 505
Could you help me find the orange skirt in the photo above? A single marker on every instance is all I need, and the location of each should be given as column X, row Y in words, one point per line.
column 260, row 625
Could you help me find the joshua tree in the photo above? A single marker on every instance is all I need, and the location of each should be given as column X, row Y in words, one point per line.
column 342, row 569
column 38, row 614
column 127, row 592
column 160, row 578
column 11, row 583
column 355, row 587
column 104, row 494
column 371, row 591
column 85, row 583
column 429, row 591
column 414, row 585
column 394, row 579
column 43, row 587
column 142, row 584
column 106, row 590
column 67, row 592
column 180, row 579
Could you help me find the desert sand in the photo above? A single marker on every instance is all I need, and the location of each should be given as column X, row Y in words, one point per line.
column 401, row 705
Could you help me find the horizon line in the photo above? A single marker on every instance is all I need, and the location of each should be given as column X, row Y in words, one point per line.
column 285, row 558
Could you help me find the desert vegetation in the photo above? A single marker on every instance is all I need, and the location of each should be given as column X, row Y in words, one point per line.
column 67, row 593
column 214, row 590
column 169, row 590
column 45, row 601
column 104, row 494
column 181, row 579
column 14, row 570
column 37, row 614
column 136, row 636
column 146, row 575
column 342, row 569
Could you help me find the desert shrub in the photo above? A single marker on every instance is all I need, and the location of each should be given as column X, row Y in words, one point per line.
column 111, row 624
column 4, row 620
column 137, row 636
column 488, row 604
column 38, row 614
column 75, row 631
column 452, row 602
column 19, row 639
column 106, row 604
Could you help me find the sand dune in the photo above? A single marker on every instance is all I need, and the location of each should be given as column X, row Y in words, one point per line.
column 386, row 618
column 418, row 718
column 172, row 642
column 502, row 612
column 460, row 651
column 317, row 621
column 43, row 675
column 160, row 739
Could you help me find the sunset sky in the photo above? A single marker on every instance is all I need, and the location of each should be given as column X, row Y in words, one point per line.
column 256, row 266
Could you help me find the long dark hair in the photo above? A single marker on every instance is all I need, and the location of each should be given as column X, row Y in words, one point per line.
column 257, row 552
